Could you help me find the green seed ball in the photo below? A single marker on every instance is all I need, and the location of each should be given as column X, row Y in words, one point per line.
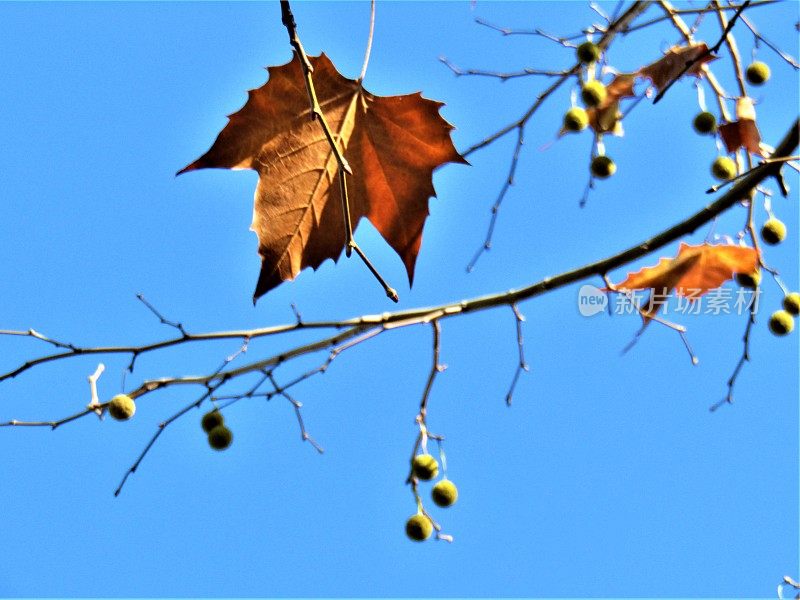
column 212, row 419
column 749, row 280
column 425, row 466
column 791, row 303
column 419, row 528
column 602, row 167
column 723, row 168
column 122, row 407
column 445, row 493
column 220, row 437
column 576, row 119
column 588, row 52
column 757, row 73
column 781, row 322
column 593, row 93
column 705, row 123
column 773, row 232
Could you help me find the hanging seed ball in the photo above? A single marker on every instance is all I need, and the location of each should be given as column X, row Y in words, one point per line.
column 602, row 167
column 723, row 168
column 749, row 280
column 220, row 437
column 791, row 303
column 757, row 73
column 773, row 232
column 705, row 123
column 576, row 119
column 419, row 528
column 588, row 52
column 122, row 407
column 211, row 420
column 781, row 322
column 425, row 467
column 444, row 493
column 593, row 93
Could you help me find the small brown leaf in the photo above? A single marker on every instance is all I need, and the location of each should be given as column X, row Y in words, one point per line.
column 392, row 143
column 742, row 133
column 671, row 65
column 605, row 118
column 621, row 87
column 694, row 270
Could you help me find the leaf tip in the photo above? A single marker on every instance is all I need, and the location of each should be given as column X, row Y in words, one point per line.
column 190, row 167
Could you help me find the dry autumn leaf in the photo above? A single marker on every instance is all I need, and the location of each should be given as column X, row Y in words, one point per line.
column 742, row 133
column 694, row 270
column 671, row 65
column 605, row 118
column 392, row 144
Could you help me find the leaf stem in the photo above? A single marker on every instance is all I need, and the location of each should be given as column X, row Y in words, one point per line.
column 316, row 113
column 369, row 41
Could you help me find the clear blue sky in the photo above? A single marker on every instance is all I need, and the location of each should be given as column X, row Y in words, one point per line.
column 608, row 476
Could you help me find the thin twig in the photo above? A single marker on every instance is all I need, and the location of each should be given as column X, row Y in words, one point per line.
column 596, row 8
column 648, row 314
column 563, row 41
column 50, row 424
column 760, row 38
column 730, row 42
column 744, row 358
column 691, row 11
column 160, row 317
column 304, row 435
column 522, row 364
column 487, row 242
column 436, row 368
column 501, row 76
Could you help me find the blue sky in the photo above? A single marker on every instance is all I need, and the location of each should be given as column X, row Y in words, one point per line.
column 608, row 476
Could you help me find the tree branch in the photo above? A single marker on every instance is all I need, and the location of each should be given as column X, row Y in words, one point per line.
column 377, row 323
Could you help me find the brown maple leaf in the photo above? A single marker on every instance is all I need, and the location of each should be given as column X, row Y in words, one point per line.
column 742, row 133
column 392, row 143
column 694, row 270
column 671, row 65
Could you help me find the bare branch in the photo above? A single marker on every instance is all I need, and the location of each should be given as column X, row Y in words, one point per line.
column 304, row 435
column 436, row 368
column 487, row 242
column 730, row 42
column 761, row 39
column 371, row 325
column 618, row 26
column 360, row 329
column 501, row 76
column 751, row 320
column 693, row 11
column 161, row 317
column 522, row 364
column 564, row 41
